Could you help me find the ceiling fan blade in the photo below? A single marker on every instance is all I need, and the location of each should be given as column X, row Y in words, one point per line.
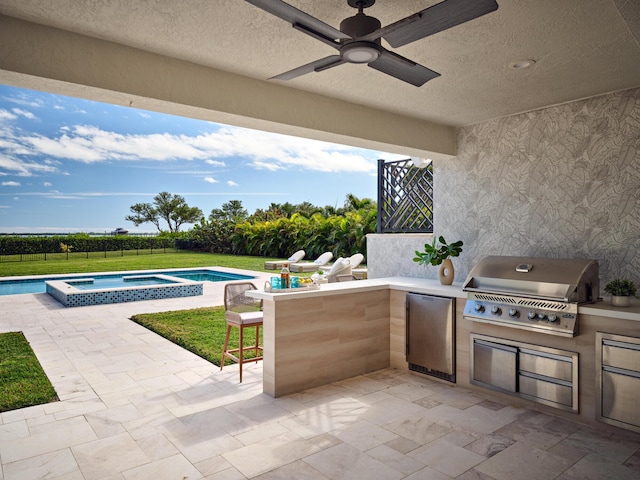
column 317, row 66
column 403, row 69
column 310, row 25
column 434, row 19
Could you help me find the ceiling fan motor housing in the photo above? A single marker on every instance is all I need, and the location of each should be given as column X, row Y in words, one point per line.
column 360, row 25
column 359, row 51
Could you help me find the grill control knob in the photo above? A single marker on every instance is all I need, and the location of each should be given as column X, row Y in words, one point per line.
column 514, row 313
column 532, row 315
column 542, row 317
column 496, row 310
column 553, row 318
column 479, row 308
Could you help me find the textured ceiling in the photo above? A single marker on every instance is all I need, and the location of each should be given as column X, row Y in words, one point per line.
column 581, row 48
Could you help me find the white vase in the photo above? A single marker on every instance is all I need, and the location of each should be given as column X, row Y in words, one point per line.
column 617, row 301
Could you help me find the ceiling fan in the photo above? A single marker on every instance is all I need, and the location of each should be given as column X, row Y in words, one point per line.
column 359, row 37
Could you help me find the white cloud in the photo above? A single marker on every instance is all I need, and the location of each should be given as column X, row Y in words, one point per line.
column 6, row 115
column 24, row 168
column 24, row 113
column 261, row 165
column 10, row 184
column 65, row 197
column 215, row 163
column 90, row 144
column 210, row 180
column 231, row 183
column 25, row 101
column 46, row 184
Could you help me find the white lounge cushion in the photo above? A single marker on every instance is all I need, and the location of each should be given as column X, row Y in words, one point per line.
column 296, row 257
column 356, row 259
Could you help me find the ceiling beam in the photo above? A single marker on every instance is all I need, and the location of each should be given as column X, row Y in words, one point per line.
column 49, row 59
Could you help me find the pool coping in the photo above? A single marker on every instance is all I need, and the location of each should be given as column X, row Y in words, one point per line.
column 70, row 296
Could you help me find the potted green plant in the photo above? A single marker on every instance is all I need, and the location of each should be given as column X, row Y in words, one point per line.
column 621, row 291
column 439, row 252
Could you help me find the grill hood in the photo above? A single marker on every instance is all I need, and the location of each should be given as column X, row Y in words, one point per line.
column 572, row 280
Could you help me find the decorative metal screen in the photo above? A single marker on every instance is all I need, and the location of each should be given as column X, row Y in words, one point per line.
column 405, row 197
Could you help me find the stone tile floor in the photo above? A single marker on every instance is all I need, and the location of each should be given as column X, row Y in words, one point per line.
column 135, row 406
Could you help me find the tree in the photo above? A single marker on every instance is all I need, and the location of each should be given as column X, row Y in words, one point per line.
column 173, row 209
column 353, row 203
column 231, row 211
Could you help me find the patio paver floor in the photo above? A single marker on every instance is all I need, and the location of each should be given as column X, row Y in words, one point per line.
column 135, row 406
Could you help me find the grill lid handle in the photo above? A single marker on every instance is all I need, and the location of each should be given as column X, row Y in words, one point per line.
column 524, row 268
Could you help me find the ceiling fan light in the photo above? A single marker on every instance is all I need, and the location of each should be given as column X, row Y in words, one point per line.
column 360, row 52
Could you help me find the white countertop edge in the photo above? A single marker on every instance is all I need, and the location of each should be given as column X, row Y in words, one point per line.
column 602, row 308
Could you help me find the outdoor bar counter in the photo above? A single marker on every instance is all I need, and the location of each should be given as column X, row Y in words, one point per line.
column 316, row 337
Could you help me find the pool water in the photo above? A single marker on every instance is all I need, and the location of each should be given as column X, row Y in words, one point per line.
column 209, row 276
column 37, row 285
column 102, row 283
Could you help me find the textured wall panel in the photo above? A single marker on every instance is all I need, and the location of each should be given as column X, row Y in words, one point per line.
column 559, row 182
column 563, row 181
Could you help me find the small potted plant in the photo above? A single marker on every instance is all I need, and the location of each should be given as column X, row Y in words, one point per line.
column 319, row 277
column 621, row 291
column 438, row 253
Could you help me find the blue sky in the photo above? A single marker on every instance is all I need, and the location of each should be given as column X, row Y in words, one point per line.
column 69, row 165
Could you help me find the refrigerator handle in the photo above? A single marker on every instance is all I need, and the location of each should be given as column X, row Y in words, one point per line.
column 406, row 328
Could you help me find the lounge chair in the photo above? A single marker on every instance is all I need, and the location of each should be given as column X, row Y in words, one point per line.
column 340, row 267
column 319, row 262
column 359, row 273
column 277, row 264
column 355, row 260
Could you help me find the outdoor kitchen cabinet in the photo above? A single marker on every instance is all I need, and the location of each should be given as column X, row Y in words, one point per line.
column 618, row 380
column 541, row 374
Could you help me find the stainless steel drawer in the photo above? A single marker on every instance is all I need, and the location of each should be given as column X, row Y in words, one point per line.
column 494, row 365
column 621, row 354
column 621, row 398
column 545, row 390
column 549, row 365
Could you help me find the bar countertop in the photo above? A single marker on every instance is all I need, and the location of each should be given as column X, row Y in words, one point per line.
column 601, row 308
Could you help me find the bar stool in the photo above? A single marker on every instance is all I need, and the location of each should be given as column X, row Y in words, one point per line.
column 241, row 312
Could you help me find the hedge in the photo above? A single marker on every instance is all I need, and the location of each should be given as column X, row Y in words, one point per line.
column 16, row 245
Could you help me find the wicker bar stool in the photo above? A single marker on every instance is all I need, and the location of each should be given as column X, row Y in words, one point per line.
column 241, row 312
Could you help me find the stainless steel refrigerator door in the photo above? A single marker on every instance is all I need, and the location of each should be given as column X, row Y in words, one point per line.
column 430, row 332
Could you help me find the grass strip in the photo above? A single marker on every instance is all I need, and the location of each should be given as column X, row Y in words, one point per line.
column 23, row 382
column 181, row 259
column 199, row 330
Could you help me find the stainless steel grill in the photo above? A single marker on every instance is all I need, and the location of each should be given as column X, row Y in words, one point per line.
column 536, row 294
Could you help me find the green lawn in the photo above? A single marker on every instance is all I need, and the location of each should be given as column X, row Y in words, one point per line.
column 200, row 331
column 23, row 383
column 141, row 262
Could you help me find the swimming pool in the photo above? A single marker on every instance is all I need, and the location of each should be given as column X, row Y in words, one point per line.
column 100, row 289
column 9, row 286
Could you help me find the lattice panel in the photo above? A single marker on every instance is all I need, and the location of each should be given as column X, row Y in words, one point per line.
column 405, row 197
